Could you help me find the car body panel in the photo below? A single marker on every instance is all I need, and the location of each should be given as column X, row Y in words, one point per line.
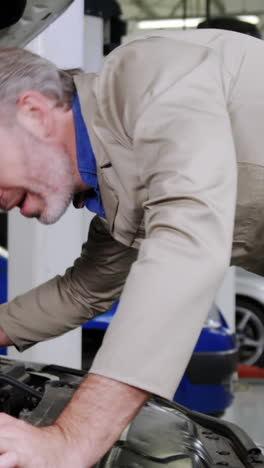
column 3, row 282
column 3, row 278
column 218, row 340
column 208, row 399
column 249, row 285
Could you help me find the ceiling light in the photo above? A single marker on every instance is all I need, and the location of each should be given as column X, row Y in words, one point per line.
column 3, row 253
column 249, row 19
column 169, row 23
column 185, row 23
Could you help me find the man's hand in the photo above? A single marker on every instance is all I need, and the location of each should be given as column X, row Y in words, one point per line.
column 88, row 427
column 26, row 446
column 4, row 339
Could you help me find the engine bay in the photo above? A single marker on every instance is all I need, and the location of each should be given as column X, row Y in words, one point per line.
column 163, row 433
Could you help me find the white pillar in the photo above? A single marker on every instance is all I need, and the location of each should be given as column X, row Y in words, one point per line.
column 93, row 43
column 62, row 41
column 39, row 252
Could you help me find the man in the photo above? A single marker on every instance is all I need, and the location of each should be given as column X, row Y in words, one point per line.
column 152, row 145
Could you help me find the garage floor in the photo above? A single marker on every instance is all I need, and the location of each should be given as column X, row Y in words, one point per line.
column 248, row 409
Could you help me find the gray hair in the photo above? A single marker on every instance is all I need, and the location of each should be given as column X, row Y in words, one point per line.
column 21, row 70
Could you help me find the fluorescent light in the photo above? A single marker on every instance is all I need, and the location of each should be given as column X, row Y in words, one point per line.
column 249, row 19
column 169, row 23
column 3, row 253
column 178, row 23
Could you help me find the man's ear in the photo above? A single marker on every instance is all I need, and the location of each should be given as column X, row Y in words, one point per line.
column 35, row 114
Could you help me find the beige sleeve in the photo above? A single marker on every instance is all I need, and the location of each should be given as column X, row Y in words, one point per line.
column 87, row 289
column 185, row 156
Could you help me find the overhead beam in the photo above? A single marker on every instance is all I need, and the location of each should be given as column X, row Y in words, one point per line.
column 175, row 8
column 150, row 12
column 145, row 8
column 220, row 5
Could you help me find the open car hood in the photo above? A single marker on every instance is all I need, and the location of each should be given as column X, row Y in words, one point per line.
column 37, row 16
column 162, row 434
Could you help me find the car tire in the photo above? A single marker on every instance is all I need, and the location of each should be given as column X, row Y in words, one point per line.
column 250, row 331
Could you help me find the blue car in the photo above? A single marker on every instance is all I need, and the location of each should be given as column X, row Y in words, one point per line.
column 3, row 282
column 207, row 383
column 3, row 275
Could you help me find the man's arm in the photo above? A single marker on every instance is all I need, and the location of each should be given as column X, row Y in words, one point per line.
column 98, row 412
column 87, row 289
column 177, row 118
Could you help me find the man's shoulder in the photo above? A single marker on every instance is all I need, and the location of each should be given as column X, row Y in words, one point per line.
column 142, row 52
column 214, row 39
column 137, row 73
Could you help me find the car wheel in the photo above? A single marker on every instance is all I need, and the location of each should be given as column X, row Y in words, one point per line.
column 250, row 332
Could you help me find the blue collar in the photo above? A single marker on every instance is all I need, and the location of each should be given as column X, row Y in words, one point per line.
column 86, row 161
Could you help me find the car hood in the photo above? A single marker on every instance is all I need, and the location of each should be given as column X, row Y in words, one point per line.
column 163, row 433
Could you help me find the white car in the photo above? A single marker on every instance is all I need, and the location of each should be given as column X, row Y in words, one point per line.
column 250, row 317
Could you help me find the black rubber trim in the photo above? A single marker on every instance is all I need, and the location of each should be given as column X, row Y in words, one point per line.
column 211, row 368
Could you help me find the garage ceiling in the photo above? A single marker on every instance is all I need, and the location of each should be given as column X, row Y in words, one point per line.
column 135, row 10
